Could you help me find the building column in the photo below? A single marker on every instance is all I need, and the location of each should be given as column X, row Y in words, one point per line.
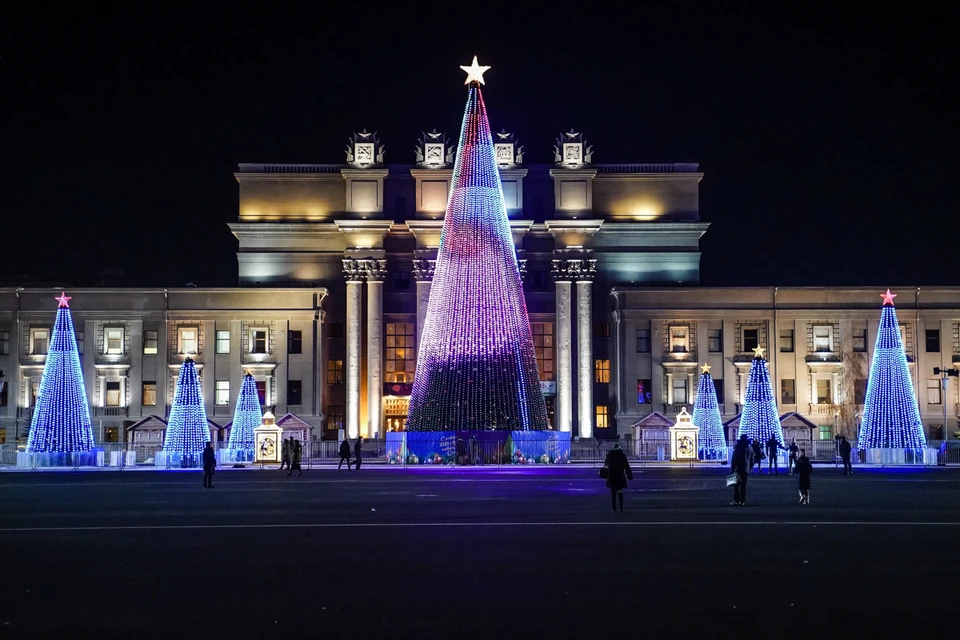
column 376, row 270
column 585, row 374
column 354, row 275
column 564, row 409
column 423, row 274
column 691, row 388
column 669, row 389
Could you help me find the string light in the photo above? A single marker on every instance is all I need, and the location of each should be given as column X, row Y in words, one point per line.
column 706, row 415
column 759, row 419
column 187, row 430
column 891, row 417
column 246, row 417
column 477, row 367
column 61, row 417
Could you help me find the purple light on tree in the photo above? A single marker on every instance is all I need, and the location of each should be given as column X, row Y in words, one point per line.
column 477, row 367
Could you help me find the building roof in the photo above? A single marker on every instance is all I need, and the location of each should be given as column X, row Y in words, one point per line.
column 655, row 420
column 792, row 418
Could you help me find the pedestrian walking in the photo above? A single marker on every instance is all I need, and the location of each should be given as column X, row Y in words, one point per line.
column 358, row 453
column 296, row 454
column 757, row 455
column 344, row 454
column 285, row 450
column 773, row 449
column 804, row 470
column 209, row 465
column 741, row 463
column 845, row 449
column 474, row 450
column 794, row 452
column 617, row 474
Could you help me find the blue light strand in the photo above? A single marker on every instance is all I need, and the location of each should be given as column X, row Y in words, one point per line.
column 891, row 417
column 759, row 419
column 61, row 417
column 187, row 430
column 706, row 415
column 247, row 416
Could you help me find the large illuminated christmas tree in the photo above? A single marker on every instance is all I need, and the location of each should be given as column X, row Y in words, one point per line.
column 759, row 419
column 247, row 416
column 187, row 429
column 706, row 415
column 891, row 418
column 477, row 367
column 61, row 417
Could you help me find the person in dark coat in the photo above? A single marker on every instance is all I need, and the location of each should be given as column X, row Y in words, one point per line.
column 845, row 455
column 804, row 470
column 296, row 454
column 773, row 448
column 794, row 452
column 209, row 465
column 344, row 454
column 285, row 450
column 358, row 452
column 474, row 450
column 618, row 472
column 757, row 455
column 740, row 464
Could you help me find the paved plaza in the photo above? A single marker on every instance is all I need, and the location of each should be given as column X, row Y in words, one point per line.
column 476, row 553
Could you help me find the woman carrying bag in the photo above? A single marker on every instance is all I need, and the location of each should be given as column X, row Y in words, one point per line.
column 616, row 470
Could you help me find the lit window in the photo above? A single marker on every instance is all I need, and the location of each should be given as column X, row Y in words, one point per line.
column 715, row 340
column 643, row 392
column 223, row 341
column 188, row 340
column 678, row 340
column 149, row 394
column 786, row 341
column 222, row 395
column 401, row 356
column 334, row 417
column 602, row 416
column 643, row 340
column 150, row 339
column 751, row 339
column 258, row 341
column 602, row 371
column 826, row 432
column 933, row 392
column 113, row 340
column 824, row 392
column 334, row 371
column 679, row 391
column 860, row 340
column 823, row 338
column 39, row 341
column 262, row 391
column 113, row 393
column 543, row 344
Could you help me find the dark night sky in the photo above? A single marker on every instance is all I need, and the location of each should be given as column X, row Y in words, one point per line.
column 828, row 141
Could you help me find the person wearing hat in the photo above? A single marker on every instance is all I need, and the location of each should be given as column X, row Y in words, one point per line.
column 618, row 471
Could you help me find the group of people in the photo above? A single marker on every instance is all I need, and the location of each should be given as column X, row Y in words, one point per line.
column 345, row 453
column 748, row 452
column 291, row 453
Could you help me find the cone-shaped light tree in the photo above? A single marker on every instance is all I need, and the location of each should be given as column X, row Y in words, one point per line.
column 706, row 415
column 247, row 416
column 477, row 367
column 187, row 430
column 61, row 417
column 891, row 418
column 759, row 419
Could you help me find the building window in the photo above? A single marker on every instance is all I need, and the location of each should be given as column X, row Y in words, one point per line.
column 4, row 394
column 113, row 393
column 824, row 391
column 4, row 343
column 223, row 342
column 860, row 391
column 602, row 371
column 823, row 338
column 188, row 340
column 860, row 340
column 335, row 330
column 295, row 342
column 39, row 341
column 933, row 392
column 539, row 280
column 679, row 339
column 543, row 343
column 79, row 337
column 903, row 336
column 788, row 391
column 601, row 330
column 933, row 340
column 786, row 341
column 113, row 340
column 334, row 371
column 826, row 432
column 401, row 354
column 680, row 391
column 150, row 339
column 751, row 339
column 262, row 392
column 149, row 394
column 643, row 340
column 258, row 340
column 718, row 387
column 294, row 392
column 643, row 392
column 401, row 280
column 222, row 395
column 602, row 416
column 334, row 417
column 715, row 340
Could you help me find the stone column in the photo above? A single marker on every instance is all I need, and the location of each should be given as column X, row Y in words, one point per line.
column 564, row 409
column 375, row 271
column 353, row 273
column 669, row 390
column 423, row 274
column 585, row 373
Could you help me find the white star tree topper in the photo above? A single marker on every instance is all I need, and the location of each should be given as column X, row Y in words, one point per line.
column 474, row 72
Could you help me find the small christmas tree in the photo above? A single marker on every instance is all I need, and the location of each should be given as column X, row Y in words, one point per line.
column 891, row 418
column 246, row 417
column 61, row 417
column 706, row 415
column 187, row 430
column 759, row 419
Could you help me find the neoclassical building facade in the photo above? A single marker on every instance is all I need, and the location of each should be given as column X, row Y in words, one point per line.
column 335, row 263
